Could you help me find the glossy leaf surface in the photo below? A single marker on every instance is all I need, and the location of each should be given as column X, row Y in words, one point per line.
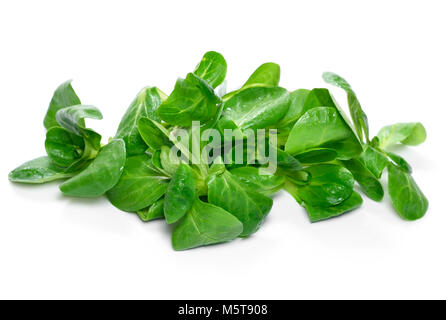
column 411, row 134
column 205, row 224
column 63, row 147
column 323, row 213
column 407, row 198
column 180, row 194
column 191, row 100
column 248, row 206
column 63, row 97
column 145, row 105
column 38, row 171
column 212, row 68
column 139, row 187
column 101, row 175
column 257, row 108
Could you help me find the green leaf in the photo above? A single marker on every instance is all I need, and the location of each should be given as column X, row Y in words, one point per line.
column 72, row 119
column 145, row 105
column 212, row 68
column 358, row 115
column 205, row 224
column 329, row 185
column 317, row 155
column 407, row 198
column 251, row 178
column 139, row 187
column 151, row 134
column 323, row 127
column 321, row 213
column 370, row 185
column 64, row 96
column 374, row 160
column 180, row 194
column 267, row 75
column 38, row 171
column 101, row 175
column 411, row 134
column 155, row 211
column 191, row 100
column 295, row 111
column 63, row 147
column 257, row 108
column 248, row 206
column 400, row 162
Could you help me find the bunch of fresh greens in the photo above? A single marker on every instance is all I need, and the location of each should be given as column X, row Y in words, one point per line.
column 319, row 154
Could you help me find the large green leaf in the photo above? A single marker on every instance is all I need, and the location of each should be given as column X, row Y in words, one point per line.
column 151, row 134
column 191, row 100
column 323, row 127
column 101, row 175
column 205, row 224
column 257, row 108
column 180, row 194
column 407, row 198
column 411, row 134
column 212, row 68
column 144, row 106
column 64, row 96
column 250, row 207
column 139, row 187
column 38, row 171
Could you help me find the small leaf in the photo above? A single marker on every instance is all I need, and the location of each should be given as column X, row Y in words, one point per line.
column 323, row 127
column 144, row 106
column 63, row 147
column 72, row 119
column 180, row 194
column 205, row 224
column 267, row 75
column 101, row 175
column 191, row 100
column 155, row 211
column 212, row 68
column 64, row 96
column 40, row 170
column 407, row 198
column 329, row 185
column 400, row 162
column 358, row 115
column 320, row 213
column 370, row 185
column 248, row 206
column 264, row 184
column 151, row 134
column 257, row 108
column 139, row 187
column 374, row 160
column 411, row 134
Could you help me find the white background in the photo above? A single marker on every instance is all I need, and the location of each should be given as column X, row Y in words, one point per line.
column 392, row 52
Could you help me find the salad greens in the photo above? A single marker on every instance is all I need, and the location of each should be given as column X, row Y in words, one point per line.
column 164, row 163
